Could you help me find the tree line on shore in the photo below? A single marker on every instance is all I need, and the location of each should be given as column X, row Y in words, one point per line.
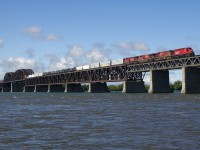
column 177, row 85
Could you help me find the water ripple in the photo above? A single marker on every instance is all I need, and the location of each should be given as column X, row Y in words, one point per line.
column 99, row 121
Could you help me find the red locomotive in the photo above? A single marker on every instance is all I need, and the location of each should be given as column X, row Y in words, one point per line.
column 177, row 53
column 184, row 52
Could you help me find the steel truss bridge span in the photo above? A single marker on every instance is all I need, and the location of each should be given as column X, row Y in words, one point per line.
column 123, row 72
column 108, row 74
column 165, row 64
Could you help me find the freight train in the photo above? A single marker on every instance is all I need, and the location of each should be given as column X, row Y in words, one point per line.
column 170, row 54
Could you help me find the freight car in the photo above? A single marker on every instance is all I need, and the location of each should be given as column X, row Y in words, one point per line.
column 170, row 54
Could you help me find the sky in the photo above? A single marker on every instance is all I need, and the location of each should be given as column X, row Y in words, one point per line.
column 48, row 35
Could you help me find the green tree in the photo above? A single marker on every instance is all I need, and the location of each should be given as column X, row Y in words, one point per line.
column 85, row 87
column 115, row 87
column 177, row 85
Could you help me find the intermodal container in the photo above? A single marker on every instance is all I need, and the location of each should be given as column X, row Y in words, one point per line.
column 79, row 68
column 95, row 65
column 117, row 62
column 104, row 64
column 86, row 67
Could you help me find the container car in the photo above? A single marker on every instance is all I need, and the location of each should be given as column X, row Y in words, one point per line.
column 116, row 62
column 95, row 65
column 104, row 64
column 86, row 67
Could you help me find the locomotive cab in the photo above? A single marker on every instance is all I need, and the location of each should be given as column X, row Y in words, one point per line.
column 182, row 52
column 189, row 51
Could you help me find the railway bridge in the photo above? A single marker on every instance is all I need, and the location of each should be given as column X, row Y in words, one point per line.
column 131, row 75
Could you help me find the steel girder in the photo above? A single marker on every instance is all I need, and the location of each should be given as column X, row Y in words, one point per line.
column 20, row 74
column 1, row 83
column 107, row 74
column 23, row 73
column 9, row 77
column 110, row 74
column 165, row 64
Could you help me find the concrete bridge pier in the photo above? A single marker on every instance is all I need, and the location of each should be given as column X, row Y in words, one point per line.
column 24, row 89
column 11, row 87
column 35, row 88
column 134, row 87
column 98, row 87
column 159, row 81
column 73, row 88
column 49, row 88
column 190, row 80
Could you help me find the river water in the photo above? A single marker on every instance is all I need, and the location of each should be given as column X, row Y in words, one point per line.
column 99, row 121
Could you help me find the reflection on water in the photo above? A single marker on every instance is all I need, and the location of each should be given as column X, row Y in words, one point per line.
column 99, row 121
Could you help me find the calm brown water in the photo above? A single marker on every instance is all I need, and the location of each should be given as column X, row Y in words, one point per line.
column 99, row 121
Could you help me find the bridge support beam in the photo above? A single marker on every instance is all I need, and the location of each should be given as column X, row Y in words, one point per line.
column 98, row 87
column 159, row 81
column 73, row 88
column 11, row 87
column 134, row 87
column 190, row 80
column 24, row 89
column 35, row 88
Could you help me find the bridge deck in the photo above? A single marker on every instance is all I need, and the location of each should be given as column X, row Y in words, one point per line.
column 115, row 73
column 165, row 64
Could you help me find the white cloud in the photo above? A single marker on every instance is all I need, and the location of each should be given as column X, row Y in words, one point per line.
column 1, row 42
column 146, row 78
column 21, row 63
column 81, row 56
column 76, row 51
column 51, row 37
column 132, row 46
column 127, row 49
column 12, row 64
column 64, row 62
column 56, row 63
column 37, row 33
column 33, row 31
column 96, row 55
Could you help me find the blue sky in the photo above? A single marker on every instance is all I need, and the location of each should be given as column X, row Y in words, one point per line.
column 55, row 34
